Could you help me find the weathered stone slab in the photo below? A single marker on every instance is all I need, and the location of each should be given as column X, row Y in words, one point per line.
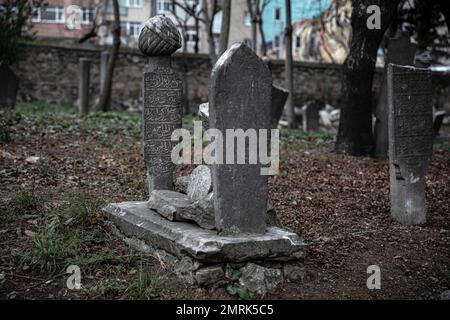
column 200, row 183
column 163, row 93
column 310, row 119
column 240, row 98
column 279, row 97
column 401, row 52
column 9, row 84
column 168, row 203
column 410, row 141
column 135, row 219
column 176, row 206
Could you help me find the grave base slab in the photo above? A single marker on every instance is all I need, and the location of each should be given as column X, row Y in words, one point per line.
column 135, row 219
column 202, row 258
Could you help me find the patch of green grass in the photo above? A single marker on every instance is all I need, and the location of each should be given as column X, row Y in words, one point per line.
column 51, row 248
column 442, row 146
column 145, row 285
column 43, row 108
column 188, row 122
column 127, row 179
column 26, row 201
column 148, row 282
column 63, row 235
column 83, row 208
column 301, row 140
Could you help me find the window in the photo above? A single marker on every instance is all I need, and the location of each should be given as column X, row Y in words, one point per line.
column 87, row 15
column 164, row 5
column 247, row 19
column 191, row 36
column 298, row 41
column 134, row 3
column 277, row 14
column 49, row 14
column 276, row 41
column 133, row 29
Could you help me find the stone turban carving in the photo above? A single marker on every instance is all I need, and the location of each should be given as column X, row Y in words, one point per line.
column 159, row 37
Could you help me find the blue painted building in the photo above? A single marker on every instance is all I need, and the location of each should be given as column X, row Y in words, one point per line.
column 274, row 15
column 313, row 41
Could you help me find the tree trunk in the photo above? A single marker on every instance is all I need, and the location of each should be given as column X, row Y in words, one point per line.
column 253, row 12
column 225, row 29
column 209, row 20
column 288, row 66
column 355, row 136
column 263, row 37
column 105, row 97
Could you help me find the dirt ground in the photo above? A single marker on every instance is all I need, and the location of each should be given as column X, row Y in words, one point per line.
column 50, row 215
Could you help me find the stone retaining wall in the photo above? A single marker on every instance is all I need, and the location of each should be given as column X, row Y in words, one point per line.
column 50, row 73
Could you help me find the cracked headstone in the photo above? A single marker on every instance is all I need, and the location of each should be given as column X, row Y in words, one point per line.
column 401, row 52
column 410, row 141
column 200, row 183
column 163, row 87
column 175, row 206
column 240, row 98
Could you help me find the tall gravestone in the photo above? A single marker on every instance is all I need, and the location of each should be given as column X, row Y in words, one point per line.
column 227, row 242
column 401, row 52
column 162, row 91
column 240, row 98
column 410, row 141
column 83, row 86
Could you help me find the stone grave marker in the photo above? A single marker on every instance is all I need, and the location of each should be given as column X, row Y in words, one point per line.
column 279, row 97
column 310, row 119
column 213, row 242
column 163, row 91
column 401, row 52
column 83, row 86
column 410, row 141
column 240, row 98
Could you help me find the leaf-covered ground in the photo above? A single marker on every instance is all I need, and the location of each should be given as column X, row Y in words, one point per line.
column 57, row 171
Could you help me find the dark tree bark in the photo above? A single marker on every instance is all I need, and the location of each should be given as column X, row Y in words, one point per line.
column 105, row 97
column 355, row 136
column 252, row 7
column 225, row 28
column 288, row 66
